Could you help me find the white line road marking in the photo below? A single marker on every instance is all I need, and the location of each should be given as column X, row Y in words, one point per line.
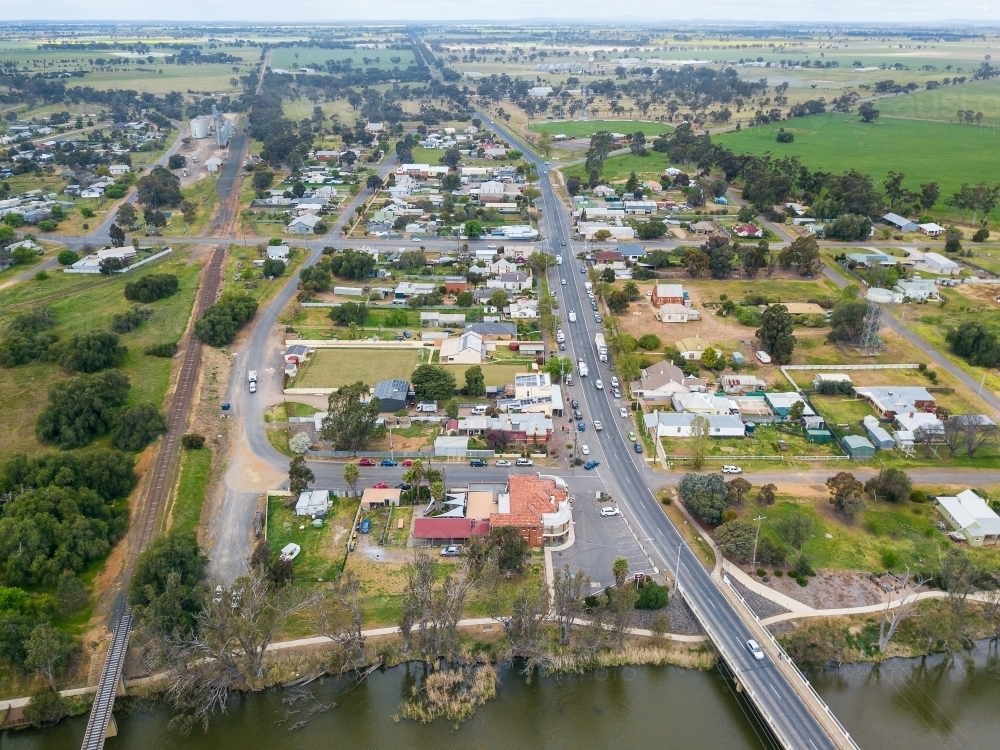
column 774, row 691
column 812, row 743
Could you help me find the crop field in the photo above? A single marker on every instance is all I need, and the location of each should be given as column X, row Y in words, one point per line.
column 947, row 153
column 332, row 368
column 943, row 104
column 585, row 128
column 288, row 57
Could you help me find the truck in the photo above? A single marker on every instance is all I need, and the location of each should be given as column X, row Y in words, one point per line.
column 602, row 347
column 588, row 286
column 582, row 367
column 252, row 378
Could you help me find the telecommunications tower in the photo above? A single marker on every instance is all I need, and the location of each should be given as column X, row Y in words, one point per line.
column 878, row 299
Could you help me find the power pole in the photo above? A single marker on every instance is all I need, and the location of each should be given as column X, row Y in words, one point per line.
column 753, row 565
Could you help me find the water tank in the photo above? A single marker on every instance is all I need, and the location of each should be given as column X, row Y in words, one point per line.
column 199, row 128
column 879, row 296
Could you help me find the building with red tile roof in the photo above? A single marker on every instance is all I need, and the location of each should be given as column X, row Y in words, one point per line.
column 537, row 506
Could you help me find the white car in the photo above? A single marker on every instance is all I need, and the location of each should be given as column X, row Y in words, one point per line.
column 525, row 462
column 732, row 470
column 754, row 648
column 503, row 463
column 599, row 384
column 585, row 449
column 598, row 426
column 623, row 412
column 564, row 282
column 614, row 382
column 610, row 510
column 450, row 551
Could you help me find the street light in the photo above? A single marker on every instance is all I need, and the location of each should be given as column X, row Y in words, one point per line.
column 753, row 564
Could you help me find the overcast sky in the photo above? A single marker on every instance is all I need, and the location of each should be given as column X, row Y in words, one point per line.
column 317, row 11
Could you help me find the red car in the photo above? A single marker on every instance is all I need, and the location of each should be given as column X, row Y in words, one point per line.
column 366, row 462
column 380, row 486
column 407, row 462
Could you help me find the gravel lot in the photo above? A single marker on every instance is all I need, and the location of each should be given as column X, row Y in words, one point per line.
column 762, row 607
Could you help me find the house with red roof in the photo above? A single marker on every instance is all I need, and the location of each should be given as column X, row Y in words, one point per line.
column 748, row 230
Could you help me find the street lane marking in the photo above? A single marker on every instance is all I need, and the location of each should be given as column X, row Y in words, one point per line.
column 774, row 691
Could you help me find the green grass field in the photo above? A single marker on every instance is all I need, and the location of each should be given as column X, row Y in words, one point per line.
column 332, row 368
column 185, row 515
column 584, row 128
column 942, row 104
column 942, row 152
column 287, row 57
column 493, row 374
column 82, row 304
column 618, row 168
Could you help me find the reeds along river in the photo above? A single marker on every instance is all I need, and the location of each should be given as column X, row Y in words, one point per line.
column 912, row 704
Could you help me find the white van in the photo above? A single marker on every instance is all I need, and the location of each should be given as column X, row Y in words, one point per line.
column 481, row 409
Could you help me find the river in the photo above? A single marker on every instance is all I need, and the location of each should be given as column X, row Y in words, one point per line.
column 907, row 704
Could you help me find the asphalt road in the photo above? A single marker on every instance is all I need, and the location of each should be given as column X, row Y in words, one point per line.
column 262, row 351
column 628, row 482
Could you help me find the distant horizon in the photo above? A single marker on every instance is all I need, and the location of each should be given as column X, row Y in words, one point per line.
column 889, row 13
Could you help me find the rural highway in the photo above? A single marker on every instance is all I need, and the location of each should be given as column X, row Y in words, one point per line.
column 627, row 478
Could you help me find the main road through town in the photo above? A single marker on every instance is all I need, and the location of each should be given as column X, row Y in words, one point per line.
column 629, row 484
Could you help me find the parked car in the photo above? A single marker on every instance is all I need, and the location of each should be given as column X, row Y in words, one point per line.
column 562, row 347
column 614, row 382
column 525, row 462
column 623, row 412
column 583, row 270
column 366, row 526
column 591, row 465
column 732, row 470
column 407, row 462
column 585, row 450
column 405, row 486
column 388, row 462
column 581, row 426
column 575, row 404
column 577, row 414
column 616, row 393
column 782, row 445
column 450, row 551
column 503, row 463
column 610, row 510
column 477, row 462
column 366, row 462
column 380, row 486
column 597, row 317
column 754, row 648
column 631, row 436
column 638, row 446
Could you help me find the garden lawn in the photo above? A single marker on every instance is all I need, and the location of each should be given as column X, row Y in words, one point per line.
column 586, row 128
column 316, row 560
column 90, row 307
column 941, row 152
column 493, row 374
column 332, row 368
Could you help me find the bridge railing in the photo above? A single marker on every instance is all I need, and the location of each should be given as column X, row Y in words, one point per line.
column 784, row 655
column 730, row 659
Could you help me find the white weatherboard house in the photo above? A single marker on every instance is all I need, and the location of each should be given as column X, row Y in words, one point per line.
column 972, row 518
column 314, row 502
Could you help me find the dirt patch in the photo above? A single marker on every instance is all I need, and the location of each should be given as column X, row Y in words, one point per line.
column 831, row 590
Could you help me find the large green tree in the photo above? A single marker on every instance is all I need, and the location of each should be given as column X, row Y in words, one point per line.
column 81, row 408
column 475, row 381
column 434, row 383
column 92, row 352
column 351, row 418
column 775, row 333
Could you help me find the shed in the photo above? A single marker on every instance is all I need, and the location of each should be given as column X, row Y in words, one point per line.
column 392, row 394
column 739, row 359
column 377, row 497
column 312, row 503
column 818, row 436
column 877, row 434
column 858, row 447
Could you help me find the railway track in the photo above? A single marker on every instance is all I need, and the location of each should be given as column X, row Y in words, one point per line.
column 156, row 496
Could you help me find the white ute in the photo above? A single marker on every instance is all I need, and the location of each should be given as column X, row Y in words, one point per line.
column 252, row 377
